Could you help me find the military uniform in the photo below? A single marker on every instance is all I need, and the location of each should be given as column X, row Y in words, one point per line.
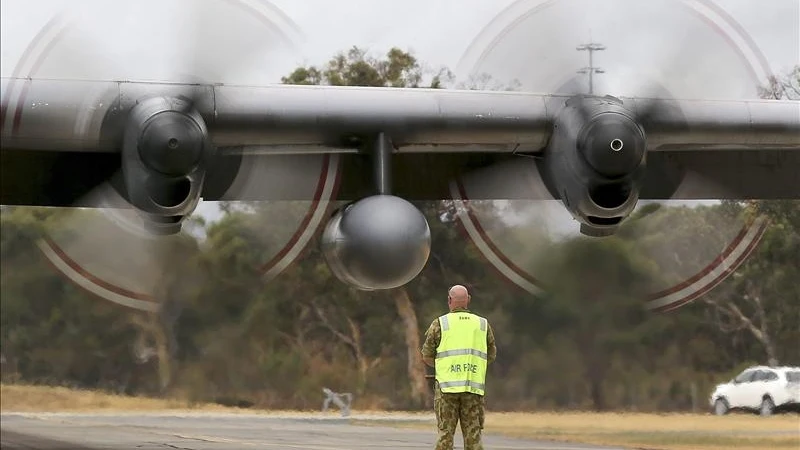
column 464, row 407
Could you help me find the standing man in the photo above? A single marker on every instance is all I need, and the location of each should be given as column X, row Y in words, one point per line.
column 459, row 346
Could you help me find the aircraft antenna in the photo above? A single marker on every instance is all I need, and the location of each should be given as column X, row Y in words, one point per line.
column 591, row 69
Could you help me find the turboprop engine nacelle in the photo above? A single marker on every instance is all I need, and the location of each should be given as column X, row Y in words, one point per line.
column 380, row 242
column 165, row 154
column 595, row 162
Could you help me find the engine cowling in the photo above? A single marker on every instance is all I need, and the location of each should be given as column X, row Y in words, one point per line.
column 165, row 155
column 380, row 242
column 595, row 162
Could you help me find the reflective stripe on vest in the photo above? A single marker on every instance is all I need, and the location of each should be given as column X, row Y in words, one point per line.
column 461, row 357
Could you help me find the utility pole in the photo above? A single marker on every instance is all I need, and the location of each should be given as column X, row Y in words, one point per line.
column 591, row 69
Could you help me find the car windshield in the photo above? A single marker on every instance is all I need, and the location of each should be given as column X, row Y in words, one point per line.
column 743, row 377
column 793, row 377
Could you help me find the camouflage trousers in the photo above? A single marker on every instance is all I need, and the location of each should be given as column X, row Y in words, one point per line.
column 451, row 409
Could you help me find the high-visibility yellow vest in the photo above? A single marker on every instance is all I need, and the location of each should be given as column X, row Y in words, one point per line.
column 461, row 357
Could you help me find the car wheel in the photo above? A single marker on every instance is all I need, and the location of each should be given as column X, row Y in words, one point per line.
column 720, row 407
column 767, row 407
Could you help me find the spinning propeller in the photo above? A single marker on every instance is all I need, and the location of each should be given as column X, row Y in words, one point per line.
column 125, row 245
column 590, row 177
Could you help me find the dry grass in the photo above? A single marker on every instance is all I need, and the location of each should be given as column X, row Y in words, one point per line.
column 645, row 431
column 24, row 398
column 635, row 431
column 49, row 399
column 655, row 431
column 650, row 431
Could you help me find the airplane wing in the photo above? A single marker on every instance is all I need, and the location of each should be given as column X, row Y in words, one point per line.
column 162, row 147
column 60, row 137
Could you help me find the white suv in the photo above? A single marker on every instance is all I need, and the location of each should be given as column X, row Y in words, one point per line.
column 761, row 388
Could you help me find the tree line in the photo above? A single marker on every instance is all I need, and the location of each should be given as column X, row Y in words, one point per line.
column 224, row 335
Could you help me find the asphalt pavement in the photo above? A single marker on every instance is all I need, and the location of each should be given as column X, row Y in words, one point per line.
column 212, row 431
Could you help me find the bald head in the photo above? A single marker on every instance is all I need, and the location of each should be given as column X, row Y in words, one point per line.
column 458, row 297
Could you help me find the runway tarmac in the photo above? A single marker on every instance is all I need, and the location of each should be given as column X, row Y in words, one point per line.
column 211, row 431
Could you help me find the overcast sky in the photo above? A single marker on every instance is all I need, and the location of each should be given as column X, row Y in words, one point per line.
column 439, row 31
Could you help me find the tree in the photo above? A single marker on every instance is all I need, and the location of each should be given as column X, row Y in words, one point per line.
column 601, row 314
column 757, row 300
column 762, row 298
column 485, row 82
column 401, row 69
column 357, row 68
column 784, row 87
column 53, row 332
column 351, row 334
column 396, row 69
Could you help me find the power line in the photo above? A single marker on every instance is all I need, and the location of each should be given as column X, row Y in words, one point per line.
column 591, row 69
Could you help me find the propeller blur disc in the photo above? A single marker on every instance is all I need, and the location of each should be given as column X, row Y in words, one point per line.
column 105, row 249
column 541, row 46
